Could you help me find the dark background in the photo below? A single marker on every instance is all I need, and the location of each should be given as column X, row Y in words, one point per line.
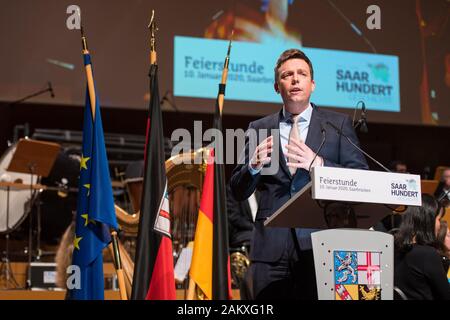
column 34, row 31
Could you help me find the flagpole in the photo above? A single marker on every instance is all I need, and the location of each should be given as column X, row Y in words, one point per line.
column 223, row 81
column 91, row 90
column 220, row 102
column 191, row 290
column 118, row 266
column 89, row 76
column 153, row 275
column 221, row 288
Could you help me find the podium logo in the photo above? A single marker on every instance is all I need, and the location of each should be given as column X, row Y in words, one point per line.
column 405, row 189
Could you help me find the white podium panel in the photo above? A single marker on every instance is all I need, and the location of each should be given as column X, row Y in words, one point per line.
column 353, row 264
column 367, row 186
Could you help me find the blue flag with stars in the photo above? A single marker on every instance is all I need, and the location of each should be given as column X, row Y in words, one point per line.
column 95, row 209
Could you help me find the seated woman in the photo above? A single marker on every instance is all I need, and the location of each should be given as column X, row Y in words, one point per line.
column 418, row 271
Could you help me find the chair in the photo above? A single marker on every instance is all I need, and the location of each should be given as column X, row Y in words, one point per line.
column 429, row 186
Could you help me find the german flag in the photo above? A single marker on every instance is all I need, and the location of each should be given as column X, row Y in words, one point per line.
column 201, row 265
column 210, row 267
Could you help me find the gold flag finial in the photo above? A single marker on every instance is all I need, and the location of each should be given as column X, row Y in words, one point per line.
column 153, row 28
column 83, row 37
column 227, row 59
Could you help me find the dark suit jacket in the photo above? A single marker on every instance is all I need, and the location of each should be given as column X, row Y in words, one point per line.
column 268, row 243
column 240, row 221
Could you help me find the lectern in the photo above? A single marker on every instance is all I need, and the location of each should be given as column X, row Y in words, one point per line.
column 350, row 264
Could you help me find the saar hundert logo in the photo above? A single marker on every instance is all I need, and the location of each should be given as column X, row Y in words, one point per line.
column 373, row 81
column 380, row 71
column 405, row 189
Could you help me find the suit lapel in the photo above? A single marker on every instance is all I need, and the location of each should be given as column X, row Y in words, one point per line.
column 314, row 136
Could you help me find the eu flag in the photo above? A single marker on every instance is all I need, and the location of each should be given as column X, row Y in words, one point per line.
column 95, row 207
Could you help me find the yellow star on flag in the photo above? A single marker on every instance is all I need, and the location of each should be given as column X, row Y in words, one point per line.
column 87, row 220
column 87, row 186
column 76, row 242
column 83, row 162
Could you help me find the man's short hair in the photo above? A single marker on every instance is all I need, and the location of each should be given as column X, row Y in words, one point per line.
column 293, row 54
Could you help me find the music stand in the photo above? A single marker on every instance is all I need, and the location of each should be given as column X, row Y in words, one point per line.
column 35, row 158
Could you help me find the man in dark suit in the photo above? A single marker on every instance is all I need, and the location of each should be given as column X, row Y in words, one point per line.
column 278, row 167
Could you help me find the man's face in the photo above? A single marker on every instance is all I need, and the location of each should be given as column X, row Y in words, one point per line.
column 294, row 82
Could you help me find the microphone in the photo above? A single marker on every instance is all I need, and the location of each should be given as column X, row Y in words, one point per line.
column 339, row 131
column 170, row 101
column 50, row 88
column 322, row 129
column 362, row 122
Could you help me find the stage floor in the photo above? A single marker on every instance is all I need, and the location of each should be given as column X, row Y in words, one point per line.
column 19, row 270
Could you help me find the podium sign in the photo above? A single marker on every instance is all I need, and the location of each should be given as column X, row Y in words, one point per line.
column 342, row 184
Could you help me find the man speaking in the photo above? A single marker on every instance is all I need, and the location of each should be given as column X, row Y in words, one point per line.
column 278, row 272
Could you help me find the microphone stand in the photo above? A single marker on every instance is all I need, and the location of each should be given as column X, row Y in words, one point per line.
column 339, row 131
column 322, row 129
column 49, row 89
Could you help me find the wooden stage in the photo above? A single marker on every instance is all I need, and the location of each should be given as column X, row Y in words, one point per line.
column 60, row 294
column 19, row 270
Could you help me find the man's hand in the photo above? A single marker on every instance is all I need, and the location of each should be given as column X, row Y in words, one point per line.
column 302, row 154
column 261, row 156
